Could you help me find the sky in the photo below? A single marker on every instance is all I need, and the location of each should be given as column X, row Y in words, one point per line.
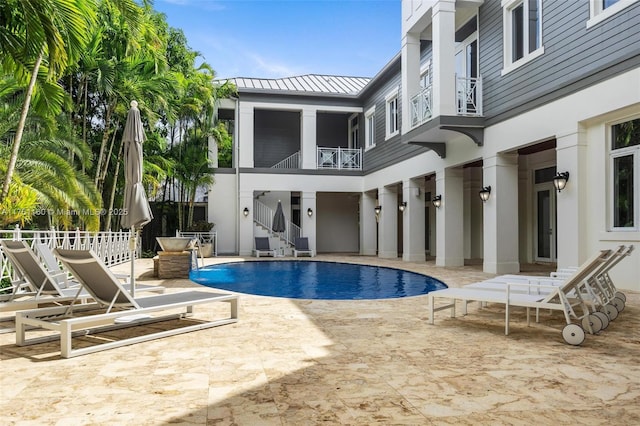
column 284, row 38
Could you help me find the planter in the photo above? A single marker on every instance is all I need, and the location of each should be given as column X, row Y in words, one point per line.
column 206, row 250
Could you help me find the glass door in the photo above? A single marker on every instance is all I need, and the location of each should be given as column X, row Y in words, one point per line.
column 466, row 74
column 545, row 223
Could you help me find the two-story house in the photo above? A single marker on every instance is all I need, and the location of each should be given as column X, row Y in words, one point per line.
column 453, row 148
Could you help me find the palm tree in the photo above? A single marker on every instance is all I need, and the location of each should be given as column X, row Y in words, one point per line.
column 33, row 31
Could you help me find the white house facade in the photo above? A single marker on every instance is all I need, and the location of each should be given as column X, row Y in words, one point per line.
column 503, row 96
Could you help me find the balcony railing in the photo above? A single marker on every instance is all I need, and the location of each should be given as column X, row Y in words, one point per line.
column 421, row 106
column 339, row 158
column 469, row 96
column 468, row 100
column 291, row 162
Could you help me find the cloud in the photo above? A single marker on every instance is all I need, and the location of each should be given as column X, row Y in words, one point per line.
column 269, row 68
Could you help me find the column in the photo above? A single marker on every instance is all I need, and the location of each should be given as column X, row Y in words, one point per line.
column 450, row 218
column 368, row 224
column 245, row 139
column 501, row 215
column 308, row 142
column 246, row 224
column 413, row 228
column 571, row 205
column 388, row 223
column 309, row 222
column 410, row 65
column 443, row 34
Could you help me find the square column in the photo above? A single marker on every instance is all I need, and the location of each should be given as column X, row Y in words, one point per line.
column 410, row 65
column 388, row 223
column 245, row 140
column 246, row 224
column 308, row 142
column 501, row 215
column 571, row 152
column 444, row 71
column 309, row 222
column 413, row 232
column 368, row 224
column 450, row 218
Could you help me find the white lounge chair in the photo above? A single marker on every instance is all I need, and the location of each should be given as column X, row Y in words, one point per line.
column 40, row 285
column 565, row 298
column 302, row 247
column 263, row 247
column 114, row 308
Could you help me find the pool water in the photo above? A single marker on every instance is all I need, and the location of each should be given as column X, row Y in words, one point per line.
column 315, row 280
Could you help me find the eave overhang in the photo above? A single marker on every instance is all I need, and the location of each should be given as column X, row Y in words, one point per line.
column 435, row 133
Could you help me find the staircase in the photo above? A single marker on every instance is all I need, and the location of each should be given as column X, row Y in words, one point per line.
column 262, row 219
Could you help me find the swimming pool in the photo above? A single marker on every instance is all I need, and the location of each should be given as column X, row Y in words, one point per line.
column 315, row 280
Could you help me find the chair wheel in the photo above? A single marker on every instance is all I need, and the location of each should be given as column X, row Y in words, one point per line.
column 618, row 303
column 593, row 323
column 621, row 295
column 610, row 310
column 573, row 334
column 604, row 318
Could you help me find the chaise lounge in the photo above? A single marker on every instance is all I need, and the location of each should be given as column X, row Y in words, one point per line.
column 302, row 247
column 263, row 247
column 114, row 308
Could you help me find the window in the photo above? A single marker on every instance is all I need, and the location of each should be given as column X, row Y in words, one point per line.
column 425, row 75
column 393, row 125
column 603, row 9
column 370, row 128
column 354, row 131
column 625, row 168
column 522, row 32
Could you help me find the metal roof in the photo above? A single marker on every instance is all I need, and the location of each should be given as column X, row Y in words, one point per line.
column 310, row 83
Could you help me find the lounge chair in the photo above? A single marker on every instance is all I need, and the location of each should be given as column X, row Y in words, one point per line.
column 566, row 298
column 114, row 308
column 263, row 247
column 37, row 285
column 302, row 247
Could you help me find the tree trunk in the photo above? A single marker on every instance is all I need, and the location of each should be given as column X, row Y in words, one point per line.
column 103, row 145
column 107, row 225
column 20, row 130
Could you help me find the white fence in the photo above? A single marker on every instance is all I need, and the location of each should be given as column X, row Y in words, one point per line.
column 112, row 247
column 291, row 162
column 339, row 158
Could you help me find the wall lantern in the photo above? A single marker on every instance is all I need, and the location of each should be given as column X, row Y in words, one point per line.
column 485, row 192
column 377, row 210
column 402, row 206
column 437, row 201
column 309, row 212
column 245, row 212
column 560, row 181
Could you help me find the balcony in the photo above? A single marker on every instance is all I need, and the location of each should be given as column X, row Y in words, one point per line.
column 339, row 158
column 468, row 101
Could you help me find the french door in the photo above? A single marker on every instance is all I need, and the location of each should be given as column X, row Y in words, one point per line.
column 545, row 223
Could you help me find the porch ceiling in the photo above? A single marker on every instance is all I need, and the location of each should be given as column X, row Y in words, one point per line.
column 435, row 133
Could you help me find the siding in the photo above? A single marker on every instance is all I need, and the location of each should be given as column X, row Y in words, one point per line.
column 332, row 130
column 574, row 55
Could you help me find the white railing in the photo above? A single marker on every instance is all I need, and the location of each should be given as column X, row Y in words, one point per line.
column 210, row 237
column 469, row 96
column 263, row 216
column 111, row 247
column 339, row 158
column 422, row 106
column 291, row 162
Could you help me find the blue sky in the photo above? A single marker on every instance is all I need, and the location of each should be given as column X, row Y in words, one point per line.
column 276, row 38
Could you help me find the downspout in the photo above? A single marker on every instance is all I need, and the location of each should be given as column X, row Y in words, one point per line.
column 236, row 160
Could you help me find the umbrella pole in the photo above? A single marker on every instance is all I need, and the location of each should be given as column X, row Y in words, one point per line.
column 132, row 249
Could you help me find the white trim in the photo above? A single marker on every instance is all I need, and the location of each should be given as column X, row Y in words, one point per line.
column 369, row 115
column 390, row 97
column 598, row 14
column 507, row 7
column 350, row 140
column 634, row 151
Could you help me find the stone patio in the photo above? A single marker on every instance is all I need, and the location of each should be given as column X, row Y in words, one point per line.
column 307, row 362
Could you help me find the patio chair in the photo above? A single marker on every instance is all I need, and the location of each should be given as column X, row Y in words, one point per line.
column 565, row 297
column 263, row 247
column 41, row 285
column 114, row 308
column 302, row 247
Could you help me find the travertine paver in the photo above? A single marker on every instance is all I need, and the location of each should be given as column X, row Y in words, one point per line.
column 303, row 362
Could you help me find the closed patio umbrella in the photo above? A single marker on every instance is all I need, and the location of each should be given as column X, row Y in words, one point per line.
column 279, row 223
column 136, row 209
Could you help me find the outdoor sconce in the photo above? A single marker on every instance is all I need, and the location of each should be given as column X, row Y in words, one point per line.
column 402, row 206
column 437, row 201
column 485, row 192
column 560, row 181
column 309, row 212
column 377, row 209
column 245, row 212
